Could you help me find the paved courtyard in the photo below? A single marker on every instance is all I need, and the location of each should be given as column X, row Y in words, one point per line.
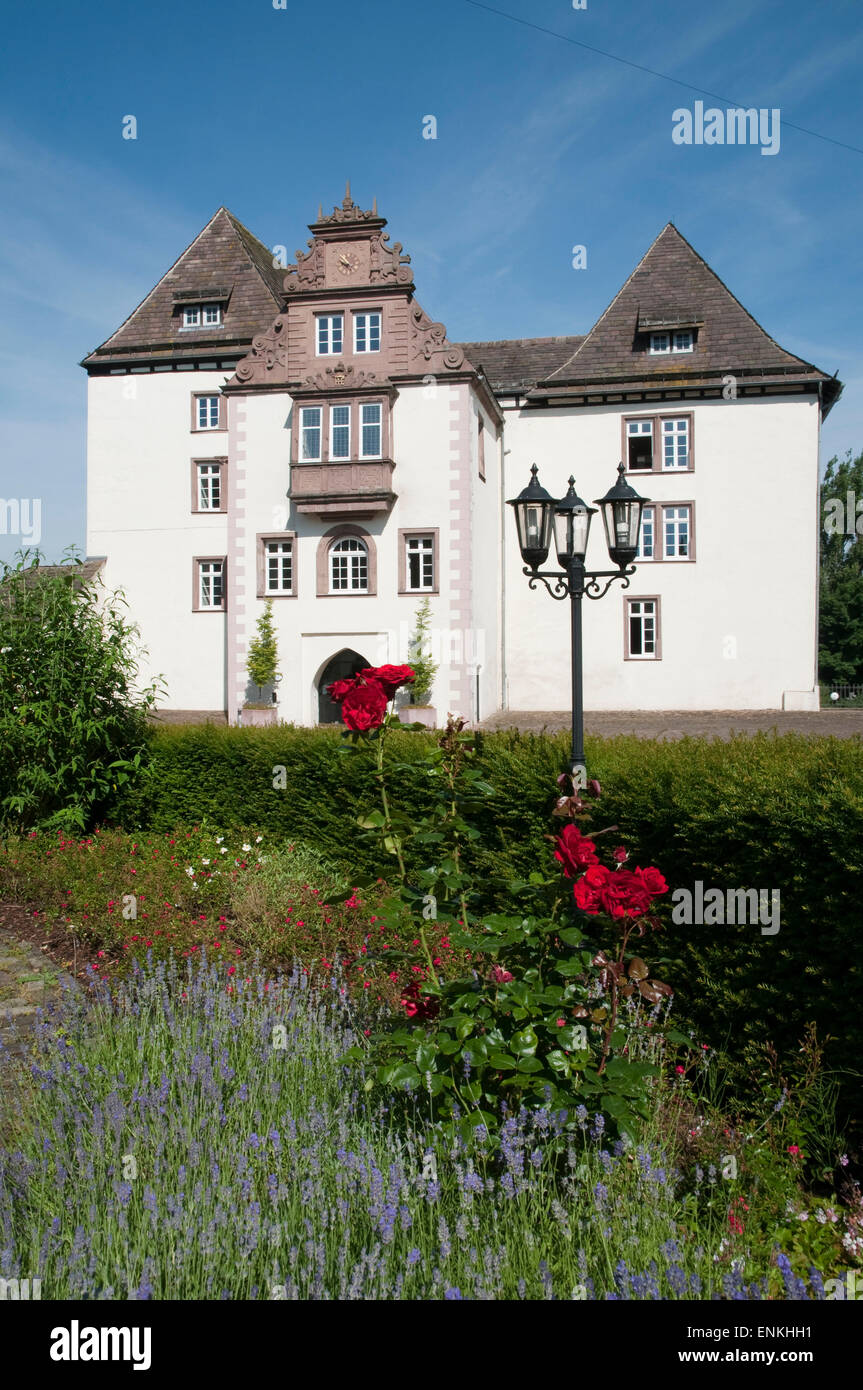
column 674, row 724
column 662, row 724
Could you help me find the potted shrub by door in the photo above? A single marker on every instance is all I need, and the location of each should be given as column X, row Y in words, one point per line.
column 262, row 666
column 420, row 710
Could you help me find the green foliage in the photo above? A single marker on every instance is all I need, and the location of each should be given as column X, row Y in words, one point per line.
column 72, row 723
column 419, row 656
column 511, row 1030
column 764, row 812
column 538, row 1018
column 840, row 626
column 263, row 662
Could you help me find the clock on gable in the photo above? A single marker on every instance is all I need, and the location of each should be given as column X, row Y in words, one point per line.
column 348, row 261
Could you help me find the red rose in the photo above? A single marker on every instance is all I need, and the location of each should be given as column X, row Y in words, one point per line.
column 587, row 890
column 620, row 854
column 419, row 1006
column 653, row 881
column 574, row 851
column 620, row 894
column 364, row 707
column 624, row 895
column 389, row 678
column 339, row 689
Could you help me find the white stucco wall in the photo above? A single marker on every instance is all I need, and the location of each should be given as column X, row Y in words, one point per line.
column 139, row 450
column 738, row 623
column 312, row 628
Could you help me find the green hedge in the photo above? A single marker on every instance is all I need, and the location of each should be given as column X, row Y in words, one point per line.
column 774, row 812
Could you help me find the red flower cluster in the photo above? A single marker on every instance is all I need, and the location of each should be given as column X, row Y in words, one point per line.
column 364, row 697
column 618, row 892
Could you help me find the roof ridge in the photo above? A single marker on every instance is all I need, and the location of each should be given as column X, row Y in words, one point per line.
column 498, row 342
column 615, row 297
column 241, row 232
column 152, row 291
column 718, row 278
column 586, row 352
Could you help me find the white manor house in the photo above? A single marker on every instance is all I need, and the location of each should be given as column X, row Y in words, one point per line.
column 309, row 434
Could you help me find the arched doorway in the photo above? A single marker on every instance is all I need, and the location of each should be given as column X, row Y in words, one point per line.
column 342, row 666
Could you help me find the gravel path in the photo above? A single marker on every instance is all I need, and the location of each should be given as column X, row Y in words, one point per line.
column 675, row 724
column 29, row 980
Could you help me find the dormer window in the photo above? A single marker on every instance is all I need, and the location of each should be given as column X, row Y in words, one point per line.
column 202, row 315
column 682, row 340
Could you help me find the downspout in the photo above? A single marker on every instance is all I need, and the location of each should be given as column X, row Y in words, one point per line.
column 818, row 544
column 503, row 672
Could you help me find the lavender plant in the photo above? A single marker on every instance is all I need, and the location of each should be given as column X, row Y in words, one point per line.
column 180, row 1138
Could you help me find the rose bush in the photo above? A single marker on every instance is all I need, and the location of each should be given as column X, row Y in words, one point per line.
column 543, row 1016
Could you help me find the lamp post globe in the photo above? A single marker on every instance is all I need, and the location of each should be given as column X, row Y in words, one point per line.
column 621, row 514
column 572, row 518
column 534, row 510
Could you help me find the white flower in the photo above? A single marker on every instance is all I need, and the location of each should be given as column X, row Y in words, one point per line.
column 246, row 848
column 190, row 872
column 219, row 839
column 258, row 839
column 223, row 851
column 205, row 861
column 802, row 1216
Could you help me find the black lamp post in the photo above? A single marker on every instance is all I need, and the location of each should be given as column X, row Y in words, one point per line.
column 538, row 518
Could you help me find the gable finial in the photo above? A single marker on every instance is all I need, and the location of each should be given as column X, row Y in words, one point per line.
column 375, row 205
column 348, row 199
column 320, row 211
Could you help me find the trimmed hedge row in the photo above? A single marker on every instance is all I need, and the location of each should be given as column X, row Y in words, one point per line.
column 764, row 812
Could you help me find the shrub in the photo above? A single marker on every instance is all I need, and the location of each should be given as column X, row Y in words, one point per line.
column 763, row 812
column 72, row 726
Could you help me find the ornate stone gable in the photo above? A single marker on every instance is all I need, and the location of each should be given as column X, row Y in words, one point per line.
column 430, row 345
column 267, row 363
column 349, row 271
column 348, row 249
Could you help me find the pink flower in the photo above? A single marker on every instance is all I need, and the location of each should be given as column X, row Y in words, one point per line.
column 500, row 976
column 680, row 1070
column 561, row 1022
column 794, row 1150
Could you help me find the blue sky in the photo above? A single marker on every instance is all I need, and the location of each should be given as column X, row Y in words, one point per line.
column 541, row 145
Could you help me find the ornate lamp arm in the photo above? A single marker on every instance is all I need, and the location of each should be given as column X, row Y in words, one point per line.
column 578, row 583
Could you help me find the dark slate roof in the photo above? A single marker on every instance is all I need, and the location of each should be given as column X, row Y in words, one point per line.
column 673, row 284
column 80, row 574
column 517, row 363
column 223, row 260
